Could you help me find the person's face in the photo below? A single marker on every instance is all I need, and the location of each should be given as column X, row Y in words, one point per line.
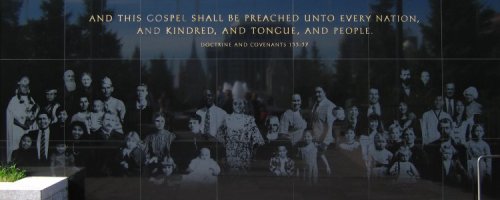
column 160, row 123
column 320, row 94
column 86, row 81
column 403, row 108
column 107, row 90
column 396, row 134
column 142, row 92
column 50, row 96
column 380, row 144
column 205, row 154
column 62, row 116
column 209, row 98
column 339, row 114
column 296, row 102
column 24, row 89
column 425, row 77
column 109, row 121
column 447, row 155
column 26, row 143
column 468, row 97
column 450, row 90
column 61, row 148
column 43, row 121
column 353, row 113
column 194, row 125
column 238, row 106
column 168, row 169
column 405, row 75
column 84, row 104
column 77, row 132
column 409, row 136
column 69, row 75
column 308, row 137
column 446, row 129
column 373, row 96
column 98, row 106
column 438, row 103
column 282, row 152
column 405, row 157
column 349, row 136
column 373, row 125
column 478, row 133
column 273, row 124
column 460, row 107
column 131, row 144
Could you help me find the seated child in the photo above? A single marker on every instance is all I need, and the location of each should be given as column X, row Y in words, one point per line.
column 403, row 169
column 203, row 169
column 380, row 157
column 281, row 164
column 350, row 143
column 160, row 173
column 96, row 116
column 394, row 141
column 132, row 157
column 25, row 155
column 60, row 157
column 452, row 170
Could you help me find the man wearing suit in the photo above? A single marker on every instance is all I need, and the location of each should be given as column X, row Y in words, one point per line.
column 449, row 99
column 43, row 138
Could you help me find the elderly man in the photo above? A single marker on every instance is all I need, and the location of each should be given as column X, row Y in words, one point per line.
column 292, row 123
column 322, row 118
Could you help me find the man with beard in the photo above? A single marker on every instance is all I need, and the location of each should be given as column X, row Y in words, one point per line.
column 292, row 124
column 406, row 91
column 107, row 143
column 70, row 97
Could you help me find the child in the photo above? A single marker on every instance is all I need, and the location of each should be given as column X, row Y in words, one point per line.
column 203, row 169
column 403, row 169
column 61, row 158
column 452, row 170
column 394, row 140
column 272, row 124
column 309, row 154
column 281, row 164
column 132, row 157
column 380, row 157
column 162, row 171
column 477, row 147
column 96, row 116
column 350, row 143
column 25, row 155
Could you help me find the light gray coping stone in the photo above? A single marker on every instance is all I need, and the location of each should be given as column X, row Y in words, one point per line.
column 35, row 188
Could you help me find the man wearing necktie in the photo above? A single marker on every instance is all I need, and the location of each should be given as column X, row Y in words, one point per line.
column 374, row 107
column 449, row 99
column 42, row 138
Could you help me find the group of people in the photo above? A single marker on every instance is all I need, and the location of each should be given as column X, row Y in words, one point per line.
column 93, row 129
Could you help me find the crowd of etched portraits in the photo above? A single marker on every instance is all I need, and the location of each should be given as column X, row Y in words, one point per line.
column 435, row 133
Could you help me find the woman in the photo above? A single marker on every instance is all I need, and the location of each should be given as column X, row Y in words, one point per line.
column 87, row 88
column 157, row 144
column 472, row 107
column 239, row 134
column 25, row 155
column 21, row 112
column 406, row 119
column 461, row 123
column 79, row 144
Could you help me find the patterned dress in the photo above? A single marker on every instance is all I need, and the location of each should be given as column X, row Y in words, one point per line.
column 239, row 134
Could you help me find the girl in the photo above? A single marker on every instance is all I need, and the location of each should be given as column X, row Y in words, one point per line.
column 403, row 169
column 131, row 158
column 461, row 123
column 380, row 157
column 477, row 147
column 25, row 155
column 350, row 143
column 309, row 155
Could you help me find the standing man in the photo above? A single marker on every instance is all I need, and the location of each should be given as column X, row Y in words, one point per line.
column 430, row 119
column 374, row 108
column 449, row 99
column 322, row 118
column 292, row 124
column 43, row 138
column 211, row 115
column 112, row 104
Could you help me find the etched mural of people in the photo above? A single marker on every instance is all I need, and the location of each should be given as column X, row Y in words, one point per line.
column 20, row 115
column 240, row 135
column 292, row 124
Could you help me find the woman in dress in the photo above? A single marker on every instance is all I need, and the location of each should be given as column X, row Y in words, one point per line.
column 20, row 115
column 157, row 144
column 239, row 134
column 461, row 123
column 407, row 119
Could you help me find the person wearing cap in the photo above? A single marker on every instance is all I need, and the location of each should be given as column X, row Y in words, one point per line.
column 112, row 104
column 51, row 104
column 20, row 115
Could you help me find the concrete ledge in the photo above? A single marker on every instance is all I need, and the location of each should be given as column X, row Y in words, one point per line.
column 35, row 188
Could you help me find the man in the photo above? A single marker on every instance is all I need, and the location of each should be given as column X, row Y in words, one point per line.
column 212, row 116
column 51, row 105
column 449, row 99
column 107, row 144
column 322, row 118
column 43, row 138
column 430, row 120
column 406, row 91
column 112, row 104
column 374, row 104
column 140, row 111
column 292, row 123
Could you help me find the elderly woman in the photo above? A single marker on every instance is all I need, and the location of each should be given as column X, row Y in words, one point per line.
column 472, row 107
column 20, row 115
column 239, row 134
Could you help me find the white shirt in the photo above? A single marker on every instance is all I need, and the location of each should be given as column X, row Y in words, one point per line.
column 217, row 116
column 39, row 144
